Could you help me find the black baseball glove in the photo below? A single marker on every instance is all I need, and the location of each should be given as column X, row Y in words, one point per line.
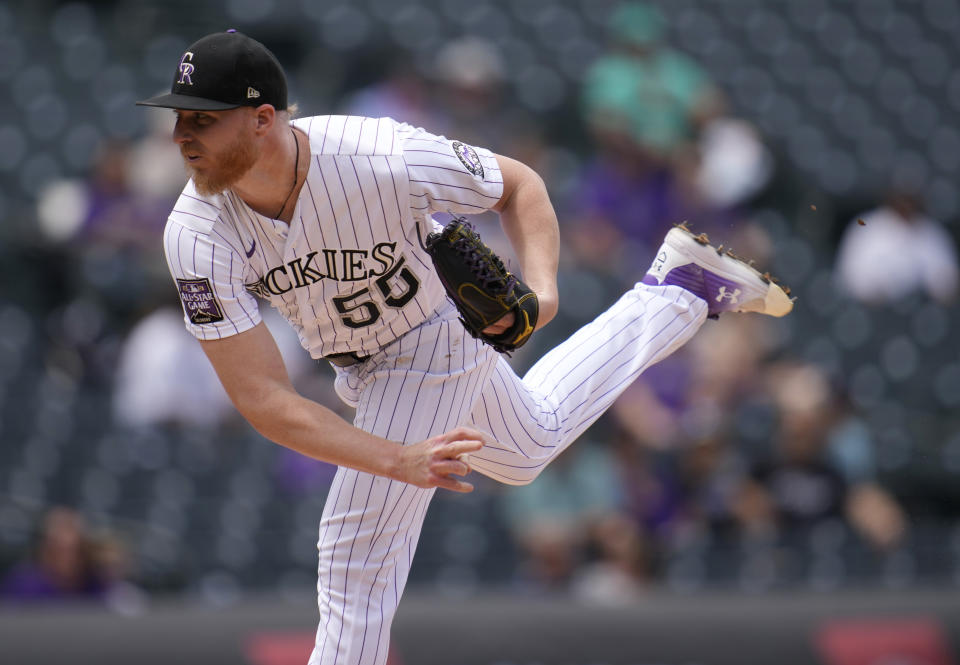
column 481, row 288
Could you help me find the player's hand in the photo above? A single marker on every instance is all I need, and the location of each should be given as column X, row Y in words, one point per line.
column 501, row 326
column 548, row 304
column 434, row 462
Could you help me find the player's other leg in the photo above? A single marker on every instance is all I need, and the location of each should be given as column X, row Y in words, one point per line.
column 421, row 385
column 726, row 282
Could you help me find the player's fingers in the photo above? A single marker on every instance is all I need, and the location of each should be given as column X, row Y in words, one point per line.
column 461, row 433
column 500, row 326
column 455, row 466
column 452, row 484
column 458, row 448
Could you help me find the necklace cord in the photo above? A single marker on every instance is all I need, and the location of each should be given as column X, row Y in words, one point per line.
column 296, row 175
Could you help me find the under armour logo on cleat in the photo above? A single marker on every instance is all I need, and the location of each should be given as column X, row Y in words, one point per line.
column 724, row 294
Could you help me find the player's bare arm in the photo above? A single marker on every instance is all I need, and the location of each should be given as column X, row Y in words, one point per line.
column 530, row 223
column 251, row 370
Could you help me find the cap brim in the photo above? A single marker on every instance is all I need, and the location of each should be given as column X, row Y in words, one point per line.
column 187, row 103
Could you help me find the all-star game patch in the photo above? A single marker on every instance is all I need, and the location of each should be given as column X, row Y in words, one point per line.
column 468, row 157
column 199, row 302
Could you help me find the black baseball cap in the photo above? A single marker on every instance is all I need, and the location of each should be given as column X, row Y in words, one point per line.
column 223, row 71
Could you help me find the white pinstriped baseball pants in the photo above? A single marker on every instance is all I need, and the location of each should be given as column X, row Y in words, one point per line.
column 435, row 378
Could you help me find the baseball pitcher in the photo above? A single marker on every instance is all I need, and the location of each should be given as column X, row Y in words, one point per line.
column 328, row 219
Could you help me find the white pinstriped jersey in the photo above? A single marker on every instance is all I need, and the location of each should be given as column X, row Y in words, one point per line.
column 348, row 272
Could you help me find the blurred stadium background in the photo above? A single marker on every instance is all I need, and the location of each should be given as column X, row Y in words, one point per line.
column 797, row 478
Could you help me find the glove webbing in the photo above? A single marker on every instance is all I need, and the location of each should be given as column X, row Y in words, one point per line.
column 480, row 264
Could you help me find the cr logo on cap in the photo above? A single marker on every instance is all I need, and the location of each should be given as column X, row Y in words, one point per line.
column 186, row 69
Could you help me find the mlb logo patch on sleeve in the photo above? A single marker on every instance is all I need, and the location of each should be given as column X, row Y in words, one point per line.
column 199, row 302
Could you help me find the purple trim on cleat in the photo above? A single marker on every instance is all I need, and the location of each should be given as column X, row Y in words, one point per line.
column 722, row 295
column 725, row 282
column 689, row 277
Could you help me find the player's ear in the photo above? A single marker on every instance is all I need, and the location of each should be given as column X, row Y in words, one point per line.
column 265, row 117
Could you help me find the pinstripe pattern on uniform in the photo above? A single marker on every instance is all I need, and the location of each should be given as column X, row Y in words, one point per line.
column 198, row 245
column 366, row 204
column 438, row 377
column 360, row 197
column 574, row 383
column 438, row 368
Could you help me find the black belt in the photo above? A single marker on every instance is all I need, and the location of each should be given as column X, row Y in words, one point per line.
column 345, row 359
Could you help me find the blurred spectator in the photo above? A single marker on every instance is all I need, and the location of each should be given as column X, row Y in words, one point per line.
column 114, row 567
column 156, row 165
column 727, row 366
column 163, row 376
column 651, row 496
column 896, row 250
column 108, row 231
column 402, row 94
column 645, row 90
column 64, row 565
column 619, row 194
column 732, row 164
column 619, row 569
column 694, row 393
column 470, row 73
column 664, row 152
column 822, row 464
column 104, row 210
column 712, row 472
column 550, row 519
column 470, row 89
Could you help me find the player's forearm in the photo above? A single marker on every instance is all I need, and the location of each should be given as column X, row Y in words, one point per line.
column 531, row 225
column 311, row 429
column 315, row 431
column 530, row 222
column 251, row 370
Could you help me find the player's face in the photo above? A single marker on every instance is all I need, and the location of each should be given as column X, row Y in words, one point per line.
column 218, row 147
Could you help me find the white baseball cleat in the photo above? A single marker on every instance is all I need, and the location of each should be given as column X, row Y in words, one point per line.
column 727, row 283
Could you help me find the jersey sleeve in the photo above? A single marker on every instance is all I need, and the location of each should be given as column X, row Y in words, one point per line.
column 208, row 275
column 447, row 175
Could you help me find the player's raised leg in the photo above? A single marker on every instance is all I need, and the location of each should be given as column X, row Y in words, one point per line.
column 535, row 418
